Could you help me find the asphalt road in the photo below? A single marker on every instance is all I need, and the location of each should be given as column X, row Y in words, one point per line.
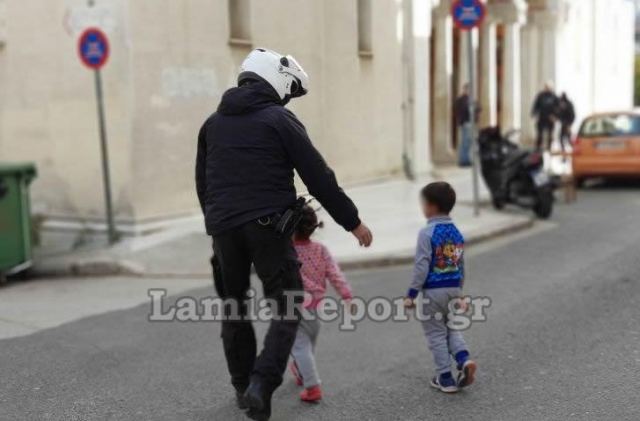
column 562, row 341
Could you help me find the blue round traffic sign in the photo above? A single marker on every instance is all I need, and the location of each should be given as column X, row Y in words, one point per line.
column 468, row 14
column 93, row 48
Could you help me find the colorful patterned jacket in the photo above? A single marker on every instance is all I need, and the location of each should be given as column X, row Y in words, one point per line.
column 439, row 261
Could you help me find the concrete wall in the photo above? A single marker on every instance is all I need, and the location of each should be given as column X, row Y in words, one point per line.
column 48, row 110
column 171, row 62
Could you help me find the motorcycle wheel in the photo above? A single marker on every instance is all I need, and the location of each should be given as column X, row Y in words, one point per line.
column 544, row 204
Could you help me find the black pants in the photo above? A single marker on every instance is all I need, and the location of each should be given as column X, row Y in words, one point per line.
column 565, row 136
column 277, row 266
column 545, row 129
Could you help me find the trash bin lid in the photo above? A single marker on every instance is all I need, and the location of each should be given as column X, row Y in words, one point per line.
column 25, row 169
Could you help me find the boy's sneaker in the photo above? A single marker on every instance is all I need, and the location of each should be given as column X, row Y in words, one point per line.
column 467, row 373
column 444, row 384
column 312, row 394
column 296, row 374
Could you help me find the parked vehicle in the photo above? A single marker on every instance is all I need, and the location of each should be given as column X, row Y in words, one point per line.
column 607, row 145
column 515, row 175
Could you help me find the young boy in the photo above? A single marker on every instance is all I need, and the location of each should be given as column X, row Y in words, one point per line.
column 439, row 274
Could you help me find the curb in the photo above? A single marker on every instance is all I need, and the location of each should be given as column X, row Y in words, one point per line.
column 105, row 266
column 408, row 257
column 88, row 268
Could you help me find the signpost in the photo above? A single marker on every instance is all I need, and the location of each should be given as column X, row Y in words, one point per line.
column 467, row 15
column 93, row 49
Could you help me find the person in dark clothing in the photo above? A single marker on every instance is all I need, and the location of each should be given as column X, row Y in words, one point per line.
column 247, row 153
column 463, row 121
column 544, row 109
column 567, row 116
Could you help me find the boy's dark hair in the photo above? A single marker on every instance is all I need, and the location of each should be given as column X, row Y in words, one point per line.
column 308, row 223
column 440, row 194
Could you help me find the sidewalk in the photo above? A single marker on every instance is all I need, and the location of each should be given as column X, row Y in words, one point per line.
column 390, row 208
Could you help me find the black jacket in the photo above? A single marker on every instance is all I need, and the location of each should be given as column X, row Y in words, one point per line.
column 247, row 152
column 566, row 111
column 461, row 110
column 545, row 106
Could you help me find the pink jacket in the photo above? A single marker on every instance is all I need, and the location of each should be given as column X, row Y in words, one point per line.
column 318, row 266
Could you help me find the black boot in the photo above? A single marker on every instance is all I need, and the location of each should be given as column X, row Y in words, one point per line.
column 258, row 399
column 240, row 400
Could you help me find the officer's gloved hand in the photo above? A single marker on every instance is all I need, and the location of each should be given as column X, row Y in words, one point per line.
column 363, row 234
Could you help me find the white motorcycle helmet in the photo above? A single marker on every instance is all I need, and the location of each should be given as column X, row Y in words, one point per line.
column 283, row 73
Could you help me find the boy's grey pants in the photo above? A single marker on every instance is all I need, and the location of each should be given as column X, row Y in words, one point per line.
column 443, row 342
column 303, row 351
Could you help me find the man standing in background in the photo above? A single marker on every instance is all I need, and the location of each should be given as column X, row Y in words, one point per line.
column 463, row 121
column 545, row 108
column 567, row 116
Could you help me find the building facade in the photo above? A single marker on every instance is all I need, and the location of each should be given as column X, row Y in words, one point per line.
column 584, row 47
column 384, row 74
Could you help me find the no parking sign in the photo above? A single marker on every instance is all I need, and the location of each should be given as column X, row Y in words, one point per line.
column 468, row 14
column 93, row 48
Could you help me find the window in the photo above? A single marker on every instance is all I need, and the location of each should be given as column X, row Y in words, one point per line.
column 611, row 125
column 239, row 22
column 365, row 28
column 3, row 22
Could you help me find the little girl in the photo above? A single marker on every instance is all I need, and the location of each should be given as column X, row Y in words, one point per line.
column 318, row 267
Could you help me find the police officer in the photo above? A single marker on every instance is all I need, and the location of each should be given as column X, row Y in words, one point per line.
column 544, row 109
column 247, row 152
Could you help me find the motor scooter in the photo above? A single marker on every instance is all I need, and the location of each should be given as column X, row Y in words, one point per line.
column 515, row 175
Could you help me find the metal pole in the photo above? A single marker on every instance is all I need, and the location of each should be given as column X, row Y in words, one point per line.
column 409, row 156
column 472, row 111
column 111, row 229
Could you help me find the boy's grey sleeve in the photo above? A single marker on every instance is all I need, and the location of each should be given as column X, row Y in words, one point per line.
column 422, row 263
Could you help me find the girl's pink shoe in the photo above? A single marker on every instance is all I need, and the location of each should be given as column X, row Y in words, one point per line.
column 312, row 394
column 296, row 373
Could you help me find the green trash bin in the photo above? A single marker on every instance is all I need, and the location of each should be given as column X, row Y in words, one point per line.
column 15, row 217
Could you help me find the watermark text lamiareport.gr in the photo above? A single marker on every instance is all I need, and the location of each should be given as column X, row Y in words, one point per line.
column 377, row 309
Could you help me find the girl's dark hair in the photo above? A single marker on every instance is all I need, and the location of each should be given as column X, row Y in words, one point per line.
column 308, row 223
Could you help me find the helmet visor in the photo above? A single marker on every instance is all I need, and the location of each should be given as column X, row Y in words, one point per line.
column 301, row 85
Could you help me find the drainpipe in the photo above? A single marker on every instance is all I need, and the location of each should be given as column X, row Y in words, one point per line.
column 408, row 90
